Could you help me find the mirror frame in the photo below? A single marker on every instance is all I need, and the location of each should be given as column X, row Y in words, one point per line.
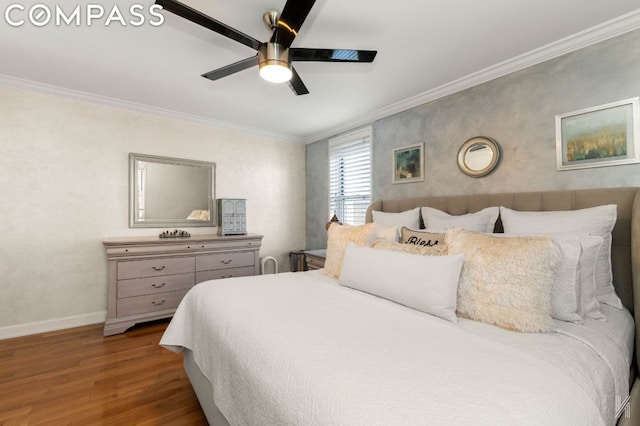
column 134, row 222
column 468, row 145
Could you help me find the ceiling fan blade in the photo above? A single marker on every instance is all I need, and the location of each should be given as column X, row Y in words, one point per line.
column 231, row 69
column 296, row 84
column 199, row 18
column 332, row 55
column 290, row 21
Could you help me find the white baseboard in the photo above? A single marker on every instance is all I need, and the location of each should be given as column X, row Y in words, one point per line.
column 52, row 325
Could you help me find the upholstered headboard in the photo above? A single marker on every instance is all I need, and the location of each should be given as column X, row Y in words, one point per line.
column 625, row 251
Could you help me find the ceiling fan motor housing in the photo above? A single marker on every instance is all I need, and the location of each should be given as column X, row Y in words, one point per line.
column 273, row 54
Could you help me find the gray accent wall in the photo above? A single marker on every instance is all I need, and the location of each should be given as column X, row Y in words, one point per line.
column 517, row 110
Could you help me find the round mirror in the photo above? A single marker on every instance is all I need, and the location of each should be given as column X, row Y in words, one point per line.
column 478, row 156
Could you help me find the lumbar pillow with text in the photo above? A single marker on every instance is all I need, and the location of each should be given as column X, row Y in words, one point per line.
column 506, row 282
column 338, row 238
column 593, row 221
column 425, row 283
column 482, row 221
column 422, row 237
column 437, row 250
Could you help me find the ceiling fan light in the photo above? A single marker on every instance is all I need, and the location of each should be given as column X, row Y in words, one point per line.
column 275, row 73
column 273, row 60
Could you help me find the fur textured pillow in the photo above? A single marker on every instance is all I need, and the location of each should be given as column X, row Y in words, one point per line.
column 438, row 250
column 506, row 282
column 338, row 238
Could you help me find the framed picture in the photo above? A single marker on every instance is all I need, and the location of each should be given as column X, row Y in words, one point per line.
column 408, row 164
column 605, row 135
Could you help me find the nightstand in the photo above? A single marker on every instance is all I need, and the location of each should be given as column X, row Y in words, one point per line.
column 315, row 259
column 307, row 260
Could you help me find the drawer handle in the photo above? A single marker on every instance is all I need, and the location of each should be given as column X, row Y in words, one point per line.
column 155, row 268
column 158, row 303
column 226, row 276
column 226, row 262
column 158, row 285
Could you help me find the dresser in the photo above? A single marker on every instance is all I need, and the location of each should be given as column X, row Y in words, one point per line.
column 149, row 276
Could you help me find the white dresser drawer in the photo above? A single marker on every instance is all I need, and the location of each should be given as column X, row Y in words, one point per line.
column 150, row 303
column 225, row 260
column 225, row 273
column 155, row 267
column 153, row 285
column 148, row 276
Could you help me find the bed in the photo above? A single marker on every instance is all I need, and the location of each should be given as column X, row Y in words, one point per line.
column 299, row 348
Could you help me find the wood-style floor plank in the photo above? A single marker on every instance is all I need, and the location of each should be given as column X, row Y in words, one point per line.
column 79, row 377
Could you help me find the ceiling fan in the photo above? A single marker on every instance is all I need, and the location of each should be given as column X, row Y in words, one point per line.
column 274, row 57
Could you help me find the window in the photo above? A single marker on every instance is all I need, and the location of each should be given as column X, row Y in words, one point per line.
column 350, row 176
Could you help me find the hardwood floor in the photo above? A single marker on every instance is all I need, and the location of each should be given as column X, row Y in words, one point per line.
column 78, row 377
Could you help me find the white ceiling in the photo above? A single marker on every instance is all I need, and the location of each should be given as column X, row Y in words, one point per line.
column 426, row 49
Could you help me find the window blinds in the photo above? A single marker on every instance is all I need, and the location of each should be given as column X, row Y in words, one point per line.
column 350, row 176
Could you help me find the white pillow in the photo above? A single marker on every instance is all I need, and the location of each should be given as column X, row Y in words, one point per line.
column 408, row 218
column 426, row 283
column 591, row 246
column 565, row 293
column 594, row 221
column 482, row 221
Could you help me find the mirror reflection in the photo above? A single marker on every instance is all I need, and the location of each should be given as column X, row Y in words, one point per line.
column 167, row 192
column 478, row 157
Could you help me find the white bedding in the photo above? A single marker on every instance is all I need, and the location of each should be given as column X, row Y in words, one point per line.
column 298, row 349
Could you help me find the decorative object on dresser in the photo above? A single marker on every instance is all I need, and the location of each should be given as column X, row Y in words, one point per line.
column 478, row 156
column 149, row 276
column 232, row 216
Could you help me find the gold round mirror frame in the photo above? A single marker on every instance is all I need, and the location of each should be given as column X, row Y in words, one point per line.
column 478, row 156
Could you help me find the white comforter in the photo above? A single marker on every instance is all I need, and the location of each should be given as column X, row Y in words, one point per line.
column 298, row 349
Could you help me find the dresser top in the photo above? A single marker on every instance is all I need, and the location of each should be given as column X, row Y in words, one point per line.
column 119, row 241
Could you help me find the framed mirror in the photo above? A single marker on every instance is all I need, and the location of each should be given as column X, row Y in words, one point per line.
column 478, row 156
column 170, row 192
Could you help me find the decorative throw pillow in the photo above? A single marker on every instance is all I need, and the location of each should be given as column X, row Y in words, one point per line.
column 482, row 221
column 505, row 281
column 438, row 250
column 408, row 218
column 338, row 238
column 593, row 221
column 385, row 232
column 425, row 283
column 422, row 237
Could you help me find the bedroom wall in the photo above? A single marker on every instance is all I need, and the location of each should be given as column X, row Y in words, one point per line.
column 64, row 188
column 518, row 110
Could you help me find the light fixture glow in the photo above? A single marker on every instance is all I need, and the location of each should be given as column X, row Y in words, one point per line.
column 273, row 60
column 275, row 73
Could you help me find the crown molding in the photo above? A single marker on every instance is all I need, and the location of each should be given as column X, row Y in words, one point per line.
column 118, row 103
column 593, row 35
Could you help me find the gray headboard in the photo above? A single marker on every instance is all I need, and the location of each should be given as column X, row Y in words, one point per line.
column 625, row 251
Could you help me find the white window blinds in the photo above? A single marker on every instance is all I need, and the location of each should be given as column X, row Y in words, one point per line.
column 350, row 176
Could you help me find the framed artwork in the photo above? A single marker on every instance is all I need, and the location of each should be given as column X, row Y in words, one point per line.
column 408, row 164
column 605, row 135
